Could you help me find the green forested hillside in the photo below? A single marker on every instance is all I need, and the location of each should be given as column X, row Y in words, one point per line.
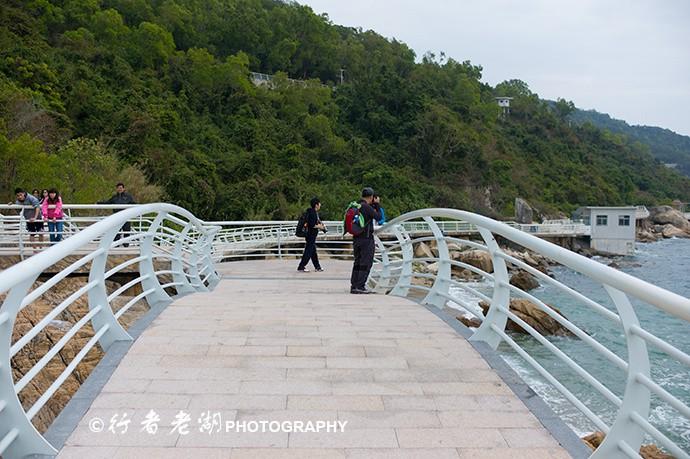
column 162, row 89
column 664, row 144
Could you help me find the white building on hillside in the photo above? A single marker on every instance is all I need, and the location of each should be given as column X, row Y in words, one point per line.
column 613, row 228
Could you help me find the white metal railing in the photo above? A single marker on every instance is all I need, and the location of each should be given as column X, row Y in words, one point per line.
column 394, row 274
column 172, row 235
column 237, row 239
column 259, row 239
column 16, row 239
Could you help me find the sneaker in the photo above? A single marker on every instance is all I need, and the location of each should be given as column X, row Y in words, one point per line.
column 359, row 291
column 319, row 270
column 303, row 270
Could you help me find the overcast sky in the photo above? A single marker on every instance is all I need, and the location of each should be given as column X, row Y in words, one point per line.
column 630, row 59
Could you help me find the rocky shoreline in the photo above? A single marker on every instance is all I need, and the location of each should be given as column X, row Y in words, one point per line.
column 664, row 222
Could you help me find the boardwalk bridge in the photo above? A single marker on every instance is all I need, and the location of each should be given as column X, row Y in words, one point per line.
column 235, row 354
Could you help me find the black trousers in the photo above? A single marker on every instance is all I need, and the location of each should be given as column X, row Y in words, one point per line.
column 310, row 253
column 124, row 232
column 364, row 259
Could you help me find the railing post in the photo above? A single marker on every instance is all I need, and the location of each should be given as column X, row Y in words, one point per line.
column 12, row 416
column 408, row 255
column 442, row 281
column 20, row 232
column 206, row 250
column 280, row 252
column 98, row 296
column 501, row 296
column 146, row 267
column 177, row 266
column 636, row 398
column 384, row 280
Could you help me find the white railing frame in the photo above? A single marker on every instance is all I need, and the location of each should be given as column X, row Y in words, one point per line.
column 18, row 436
column 631, row 424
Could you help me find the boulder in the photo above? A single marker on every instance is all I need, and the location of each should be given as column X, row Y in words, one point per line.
column 667, row 215
column 432, row 268
column 523, row 211
column 670, row 231
column 469, row 322
column 650, row 451
column 524, row 281
column 647, row 236
column 533, row 316
column 422, row 250
column 478, row 258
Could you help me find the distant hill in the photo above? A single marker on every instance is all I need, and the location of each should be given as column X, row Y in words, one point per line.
column 92, row 89
column 664, row 144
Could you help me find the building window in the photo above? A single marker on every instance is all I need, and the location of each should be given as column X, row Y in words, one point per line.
column 624, row 220
column 602, row 220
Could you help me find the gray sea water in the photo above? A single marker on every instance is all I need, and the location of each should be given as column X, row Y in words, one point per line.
column 665, row 264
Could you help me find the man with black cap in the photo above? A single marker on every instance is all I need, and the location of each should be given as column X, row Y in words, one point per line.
column 363, row 244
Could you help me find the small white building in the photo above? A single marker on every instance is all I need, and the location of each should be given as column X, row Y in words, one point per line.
column 504, row 103
column 612, row 228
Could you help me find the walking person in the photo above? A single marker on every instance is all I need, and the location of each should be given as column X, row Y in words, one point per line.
column 31, row 213
column 52, row 213
column 313, row 225
column 363, row 243
column 121, row 197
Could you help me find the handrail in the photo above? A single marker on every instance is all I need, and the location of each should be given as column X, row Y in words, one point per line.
column 189, row 254
column 395, row 275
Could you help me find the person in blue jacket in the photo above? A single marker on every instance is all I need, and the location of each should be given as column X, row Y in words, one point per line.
column 382, row 220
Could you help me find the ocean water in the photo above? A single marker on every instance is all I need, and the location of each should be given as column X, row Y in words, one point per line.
column 665, row 264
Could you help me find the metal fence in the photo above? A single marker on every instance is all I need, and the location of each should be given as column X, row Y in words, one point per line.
column 171, row 235
column 395, row 274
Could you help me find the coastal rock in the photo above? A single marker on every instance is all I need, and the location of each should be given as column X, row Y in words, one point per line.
column 532, row 259
column 432, row 268
column 667, row 215
column 477, row 258
column 650, row 451
column 469, row 322
column 524, row 281
column 422, row 250
column 523, row 211
column 670, row 231
column 533, row 316
column 647, row 236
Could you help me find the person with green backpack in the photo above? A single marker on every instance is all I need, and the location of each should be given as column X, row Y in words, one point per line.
column 359, row 221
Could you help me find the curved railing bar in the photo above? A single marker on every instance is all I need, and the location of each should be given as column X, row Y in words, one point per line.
column 18, row 437
column 672, row 303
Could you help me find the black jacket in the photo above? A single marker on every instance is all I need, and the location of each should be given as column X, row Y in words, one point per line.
column 120, row 199
column 312, row 220
column 371, row 214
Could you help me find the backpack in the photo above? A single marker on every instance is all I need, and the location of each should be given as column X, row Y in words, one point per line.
column 354, row 220
column 301, row 230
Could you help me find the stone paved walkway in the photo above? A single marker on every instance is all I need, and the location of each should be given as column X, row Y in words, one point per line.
column 270, row 344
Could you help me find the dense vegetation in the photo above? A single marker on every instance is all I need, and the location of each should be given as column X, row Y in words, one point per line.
column 664, row 144
column 160, row 90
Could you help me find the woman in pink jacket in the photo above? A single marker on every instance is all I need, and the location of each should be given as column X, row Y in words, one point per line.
column 52, row 213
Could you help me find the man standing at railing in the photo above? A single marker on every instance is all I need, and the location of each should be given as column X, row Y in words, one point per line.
column 363, row 243
column 31, row 213
column 122, row 198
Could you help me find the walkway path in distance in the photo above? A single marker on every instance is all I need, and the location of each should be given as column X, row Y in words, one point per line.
column 271, row 344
